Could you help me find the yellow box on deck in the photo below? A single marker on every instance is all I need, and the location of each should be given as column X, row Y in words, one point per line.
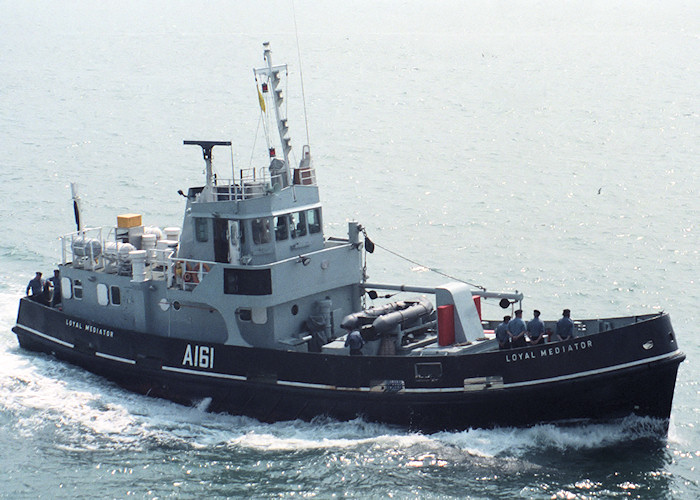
column 128, row 220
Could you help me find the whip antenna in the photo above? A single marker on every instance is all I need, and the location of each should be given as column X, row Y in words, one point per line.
column 76, row 205
column 301, row 75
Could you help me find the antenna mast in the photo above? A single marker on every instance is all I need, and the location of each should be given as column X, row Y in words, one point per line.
column 271, row 74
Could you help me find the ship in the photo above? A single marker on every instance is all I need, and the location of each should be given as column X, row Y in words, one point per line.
column 247, row 309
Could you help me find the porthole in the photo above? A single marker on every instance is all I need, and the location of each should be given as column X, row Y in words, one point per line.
column 295, row 310
column 116, row 295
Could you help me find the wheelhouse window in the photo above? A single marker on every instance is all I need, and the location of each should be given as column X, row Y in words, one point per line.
column 293, row 225
column 281, row 227
column 78, row 289
column 261, row 230
column 313, row 218
column 201, row 229
column 297, row 222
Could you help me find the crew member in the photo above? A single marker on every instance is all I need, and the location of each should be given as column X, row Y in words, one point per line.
column 565, row 326
column 517, row 329
column 355, row 343
column 36, row 285
column 502, row 334
column 56, row 281
column 535, row 328
column 45, row 298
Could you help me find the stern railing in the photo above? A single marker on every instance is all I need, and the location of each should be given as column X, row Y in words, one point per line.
column 89, row 249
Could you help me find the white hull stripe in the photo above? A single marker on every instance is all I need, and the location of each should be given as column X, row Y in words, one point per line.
column 593, row 372
column 47, row 337
column 115, row 358
column 206, row 374
column 279, row 382
column 321, row 386
column 72, row 346
column 307, row 385
column 436, row 389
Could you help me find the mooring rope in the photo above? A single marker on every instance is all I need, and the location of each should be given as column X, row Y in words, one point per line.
column 432, row 269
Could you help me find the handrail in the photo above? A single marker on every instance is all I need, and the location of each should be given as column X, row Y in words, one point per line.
column 91, row 254
column 517, row 296
column 188, row 273
column 243, row 190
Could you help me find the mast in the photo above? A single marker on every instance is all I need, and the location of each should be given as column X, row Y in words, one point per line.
column 271, row 74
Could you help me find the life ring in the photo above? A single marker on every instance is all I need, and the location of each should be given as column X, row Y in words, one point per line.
column 193, row 270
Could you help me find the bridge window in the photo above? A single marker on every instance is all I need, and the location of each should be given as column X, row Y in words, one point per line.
column 281, row 227
column 261, row 230
column 298, row 224
column 293, row 225
column 78, row 289
column 313, row 217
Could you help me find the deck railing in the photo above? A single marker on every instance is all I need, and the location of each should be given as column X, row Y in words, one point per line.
column 188, row 273
column 253, row 183
column 89, row 249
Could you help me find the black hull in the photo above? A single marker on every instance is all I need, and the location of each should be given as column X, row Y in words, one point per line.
column 597, row 377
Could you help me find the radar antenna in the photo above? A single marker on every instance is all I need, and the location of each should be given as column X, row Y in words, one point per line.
column 206, row 151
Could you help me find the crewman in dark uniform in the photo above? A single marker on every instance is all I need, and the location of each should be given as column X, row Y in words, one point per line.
column 535, row 328
column 355, row 343
column 565, row 326
column 517, row 329
column 56, row 282
column 502, row 334
column 36, row 286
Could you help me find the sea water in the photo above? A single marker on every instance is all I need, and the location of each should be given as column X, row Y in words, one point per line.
column 546, row 147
